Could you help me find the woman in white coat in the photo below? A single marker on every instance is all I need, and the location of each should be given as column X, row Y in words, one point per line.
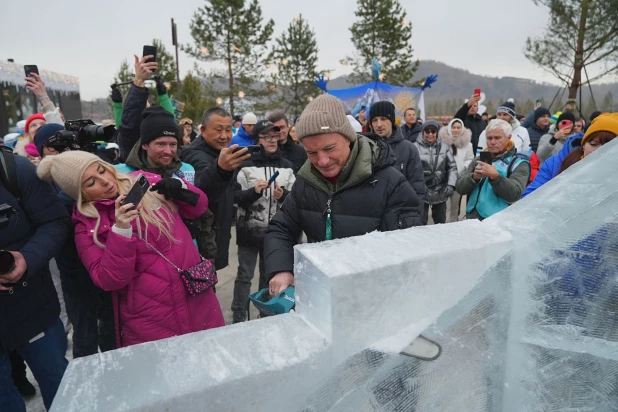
column 459, row 138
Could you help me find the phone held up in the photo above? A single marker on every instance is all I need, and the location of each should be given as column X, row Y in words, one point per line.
column 150, row 51
column 477, row 92
column 252, row 150
column 486, row 157
column 31, row 68
column 137, row 191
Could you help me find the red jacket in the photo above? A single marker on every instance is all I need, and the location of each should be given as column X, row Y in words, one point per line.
column 150, row 301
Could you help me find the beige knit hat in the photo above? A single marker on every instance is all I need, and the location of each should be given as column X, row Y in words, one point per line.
column 324, row 115
column 66, row 170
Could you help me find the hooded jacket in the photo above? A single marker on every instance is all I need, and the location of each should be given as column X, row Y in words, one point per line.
column 217, row 184
column 411, row 133
column 519, row 137
column 488, row 195
column 38, row 231
column 150, row 300
column 368, row 195
column 475, row 123
column 551, row 167
column 464, row 154
column 439, row 166
column 546, row 149
column 242, row 138
column 295, row 153
column 255, row 210
column 408, row 161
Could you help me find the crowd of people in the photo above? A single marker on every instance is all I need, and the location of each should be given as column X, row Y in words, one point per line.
column 139, row 271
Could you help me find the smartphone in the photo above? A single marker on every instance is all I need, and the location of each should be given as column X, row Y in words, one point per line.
column 137, row 191
column 31, row 68
column 485, row 157
column 273, row 178
column 150, row 51
column 477, row 92
column 565, row 124
column 538, row 102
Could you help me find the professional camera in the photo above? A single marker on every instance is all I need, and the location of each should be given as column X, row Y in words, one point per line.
column 81, row 135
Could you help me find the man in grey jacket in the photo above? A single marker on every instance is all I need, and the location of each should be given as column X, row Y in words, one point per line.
column 382, row 121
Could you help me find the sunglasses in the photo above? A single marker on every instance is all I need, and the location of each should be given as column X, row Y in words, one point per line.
column 430, row 131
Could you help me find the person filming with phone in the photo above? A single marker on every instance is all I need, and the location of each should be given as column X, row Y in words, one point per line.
column 134, row 243
column 261, row 185
column 553, row 142
column 497, row 177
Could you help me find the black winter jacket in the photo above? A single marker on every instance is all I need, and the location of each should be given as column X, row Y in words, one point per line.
column 475, row 123
column 535, row 133
column 217, row 184
column 408, row 162
column 369, row 195
column 256, row 209
column 295, row 153
column 37, row 231
column 128, row 131
column 411, row 133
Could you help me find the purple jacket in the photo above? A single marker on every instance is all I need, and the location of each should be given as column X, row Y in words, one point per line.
column 150, row 301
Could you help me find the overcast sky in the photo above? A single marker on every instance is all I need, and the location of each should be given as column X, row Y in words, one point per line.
column 89, row 39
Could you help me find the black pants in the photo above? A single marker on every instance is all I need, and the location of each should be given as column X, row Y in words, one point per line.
column 438, row 213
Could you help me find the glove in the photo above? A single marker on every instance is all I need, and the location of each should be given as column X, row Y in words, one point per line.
column 161, row 89
column 450, row 190
column 171, row 188
column 116, row 96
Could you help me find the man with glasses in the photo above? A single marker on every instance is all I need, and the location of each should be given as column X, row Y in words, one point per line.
column 291, row 151
column 258, row 199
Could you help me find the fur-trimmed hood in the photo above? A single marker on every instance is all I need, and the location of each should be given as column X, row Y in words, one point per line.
column 460, row 142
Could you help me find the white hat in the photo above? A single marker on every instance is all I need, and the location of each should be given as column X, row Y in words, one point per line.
column 249, row 118
column 10, row 138
column 112, row 146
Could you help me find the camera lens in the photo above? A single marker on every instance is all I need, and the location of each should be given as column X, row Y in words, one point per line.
column 7, row 262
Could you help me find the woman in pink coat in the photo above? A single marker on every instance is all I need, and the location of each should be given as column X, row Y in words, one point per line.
column 116, row 246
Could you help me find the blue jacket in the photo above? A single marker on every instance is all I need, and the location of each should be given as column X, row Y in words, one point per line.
column 38, row 231
column 551, row 167
column 242, row 138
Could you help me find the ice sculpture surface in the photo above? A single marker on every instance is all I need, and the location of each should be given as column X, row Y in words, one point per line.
column 524, row 304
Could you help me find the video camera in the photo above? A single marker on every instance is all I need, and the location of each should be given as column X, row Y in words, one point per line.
column 80, row 134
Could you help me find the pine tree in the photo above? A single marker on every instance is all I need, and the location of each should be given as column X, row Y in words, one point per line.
column 196, row 96
column 382, row 31
column 608, row 102
column 232, row 32
column 124, row 73
column 590, row 107
column 581, row 34
column 295, row 55
column 167, row 66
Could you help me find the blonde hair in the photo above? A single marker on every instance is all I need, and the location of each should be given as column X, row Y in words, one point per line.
column 155, row 210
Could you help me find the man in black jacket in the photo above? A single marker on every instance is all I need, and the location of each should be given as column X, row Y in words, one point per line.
column 29, row 307
column 468, row 113
column 291, row 151
column 348, row 188
column 382, row 121
column 412, row 127
column 214, row 163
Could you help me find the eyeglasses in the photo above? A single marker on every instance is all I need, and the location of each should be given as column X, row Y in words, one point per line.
column 270, row 137
column 430, row 131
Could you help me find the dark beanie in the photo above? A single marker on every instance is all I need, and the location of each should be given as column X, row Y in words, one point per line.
column 540, row 112
column 44, row 133
column 594, row 115
column 383, row 108
column 157, row 122
column 566, row 116
column 508, row 108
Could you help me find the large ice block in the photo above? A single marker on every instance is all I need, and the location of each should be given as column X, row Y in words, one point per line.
column 375, row 292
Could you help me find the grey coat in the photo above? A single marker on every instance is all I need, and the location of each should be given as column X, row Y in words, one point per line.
column 548, row 146
column 438, row 175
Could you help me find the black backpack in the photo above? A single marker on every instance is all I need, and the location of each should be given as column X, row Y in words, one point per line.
column 8, row 172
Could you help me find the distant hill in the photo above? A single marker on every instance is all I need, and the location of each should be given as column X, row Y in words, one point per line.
column 454, row 85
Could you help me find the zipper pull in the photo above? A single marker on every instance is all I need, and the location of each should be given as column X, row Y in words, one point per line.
column 329, row 225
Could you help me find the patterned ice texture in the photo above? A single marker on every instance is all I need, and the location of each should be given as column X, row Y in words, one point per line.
column 523, row 304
